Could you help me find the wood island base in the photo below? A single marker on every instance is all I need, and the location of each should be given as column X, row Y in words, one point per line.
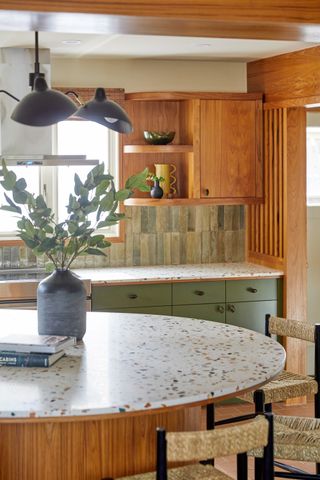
column 87, row 449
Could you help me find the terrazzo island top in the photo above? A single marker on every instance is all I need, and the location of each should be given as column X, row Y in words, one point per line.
column 131, row 362
column 175, row 273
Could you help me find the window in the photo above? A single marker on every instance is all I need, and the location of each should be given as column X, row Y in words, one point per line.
column 71, row 138
column 313, row 166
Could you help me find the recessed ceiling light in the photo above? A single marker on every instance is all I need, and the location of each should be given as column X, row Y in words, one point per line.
column 71, row 42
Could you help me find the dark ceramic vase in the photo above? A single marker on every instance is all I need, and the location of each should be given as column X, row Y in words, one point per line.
column 61, row 304
column 156, row 191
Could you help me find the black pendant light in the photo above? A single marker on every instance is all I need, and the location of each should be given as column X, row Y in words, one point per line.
column 106, row 112
column 43, row 106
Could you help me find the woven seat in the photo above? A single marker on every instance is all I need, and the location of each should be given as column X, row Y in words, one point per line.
column 295, row 438
column 189, row 472
column 197, row 446
column 284, row 386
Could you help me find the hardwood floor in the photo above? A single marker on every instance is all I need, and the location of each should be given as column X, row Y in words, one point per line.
column 228, row 464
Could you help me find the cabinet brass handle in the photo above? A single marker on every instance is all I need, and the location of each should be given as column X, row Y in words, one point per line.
column 220, row 308
column 206, row 192
column 252, row 290
column 132, row 296
column 199, row 292
column 231, row 308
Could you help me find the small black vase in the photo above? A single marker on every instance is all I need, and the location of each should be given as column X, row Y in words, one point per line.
column 156, row 191
column 61, row 304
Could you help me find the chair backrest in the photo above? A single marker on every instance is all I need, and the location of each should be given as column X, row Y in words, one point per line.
column 290, row 328
column 196, row 446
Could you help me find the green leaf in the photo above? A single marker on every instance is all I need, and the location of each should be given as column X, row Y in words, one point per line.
column 9, row 180
column 95, row 240
column 122, row 194
column 21, row 184
column 19, row 196
column 102, row 187
column 30, row 242
column 95, row 251
column 12, row 205
column 40, row 202
column 77, row 184
column 10, row 209
column 106, row 202
column 138, row 181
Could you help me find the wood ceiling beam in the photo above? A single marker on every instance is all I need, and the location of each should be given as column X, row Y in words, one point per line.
column 288, row 80
column 268, row 19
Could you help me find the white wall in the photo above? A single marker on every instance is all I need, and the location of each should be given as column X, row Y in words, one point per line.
column 150, row 75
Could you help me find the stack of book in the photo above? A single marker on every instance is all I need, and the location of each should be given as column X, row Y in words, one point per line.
column 33, row 350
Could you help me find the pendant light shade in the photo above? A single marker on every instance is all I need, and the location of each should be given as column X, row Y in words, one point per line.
column 106, row 112
column 43, row 106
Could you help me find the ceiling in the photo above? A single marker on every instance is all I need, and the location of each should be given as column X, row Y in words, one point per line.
column 151, row 47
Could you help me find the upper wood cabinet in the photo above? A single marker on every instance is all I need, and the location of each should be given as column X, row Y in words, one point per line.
column 230, row 156
column 216, row 149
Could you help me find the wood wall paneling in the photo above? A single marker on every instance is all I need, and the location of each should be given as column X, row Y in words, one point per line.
column 295, row 282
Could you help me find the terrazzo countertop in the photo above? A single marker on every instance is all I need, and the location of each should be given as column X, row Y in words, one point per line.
column 175, row 273
column 135, row 363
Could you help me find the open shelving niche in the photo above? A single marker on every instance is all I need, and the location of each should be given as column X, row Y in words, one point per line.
column 169, row 111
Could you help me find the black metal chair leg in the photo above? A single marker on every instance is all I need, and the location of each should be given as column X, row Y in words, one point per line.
column 258, row 398
column 242, row 466
column 210, row 426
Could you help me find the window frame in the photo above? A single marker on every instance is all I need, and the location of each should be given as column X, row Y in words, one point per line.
column 50, row 174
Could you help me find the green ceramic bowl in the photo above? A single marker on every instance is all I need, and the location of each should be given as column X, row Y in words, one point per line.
column 158, row 138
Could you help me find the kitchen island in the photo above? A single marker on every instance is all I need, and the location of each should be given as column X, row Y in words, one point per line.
column 93, row 414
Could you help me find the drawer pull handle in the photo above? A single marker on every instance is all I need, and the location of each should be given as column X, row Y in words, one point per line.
column 252, row 290
column 132, row 296
column 206, row 192
column 220, row 309
column 199, row 292
column 231, row 308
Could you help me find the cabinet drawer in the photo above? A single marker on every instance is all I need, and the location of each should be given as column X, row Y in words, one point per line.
column 161, row 310
column 250, row 315
column 214, row 312
column 251, row 290
column 127, row 296
column 198, row 292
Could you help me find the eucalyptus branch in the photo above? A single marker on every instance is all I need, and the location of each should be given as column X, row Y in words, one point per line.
column 63, row 242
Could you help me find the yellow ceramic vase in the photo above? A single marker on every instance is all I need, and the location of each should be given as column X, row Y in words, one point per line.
column 166, row 171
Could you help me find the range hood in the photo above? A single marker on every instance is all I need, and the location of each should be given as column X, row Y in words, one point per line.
column 21, row 144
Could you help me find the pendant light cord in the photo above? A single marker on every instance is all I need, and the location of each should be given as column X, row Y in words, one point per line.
column 36, row 63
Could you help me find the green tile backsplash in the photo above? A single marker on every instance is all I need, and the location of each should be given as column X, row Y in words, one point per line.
column 162, row 236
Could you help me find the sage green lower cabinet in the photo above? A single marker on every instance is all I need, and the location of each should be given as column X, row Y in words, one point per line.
column 162, row 310
column 237, row 302
column 250, row 315
column 214, row 312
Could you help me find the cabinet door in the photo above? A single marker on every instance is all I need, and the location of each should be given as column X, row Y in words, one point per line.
column 250, row 315
column 106, row 298
column 211, row 311
column 161, row 310
column 230, row 151
column 198, row 292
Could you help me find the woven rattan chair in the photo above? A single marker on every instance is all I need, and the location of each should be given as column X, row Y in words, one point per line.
column 298, row 439
column 197, row 446
column 287, row 384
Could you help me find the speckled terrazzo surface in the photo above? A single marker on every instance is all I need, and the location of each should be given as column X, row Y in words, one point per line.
column 213, row 271
column 135, row 362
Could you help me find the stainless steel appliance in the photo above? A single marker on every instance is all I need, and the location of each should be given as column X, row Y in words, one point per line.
column 18, row 288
